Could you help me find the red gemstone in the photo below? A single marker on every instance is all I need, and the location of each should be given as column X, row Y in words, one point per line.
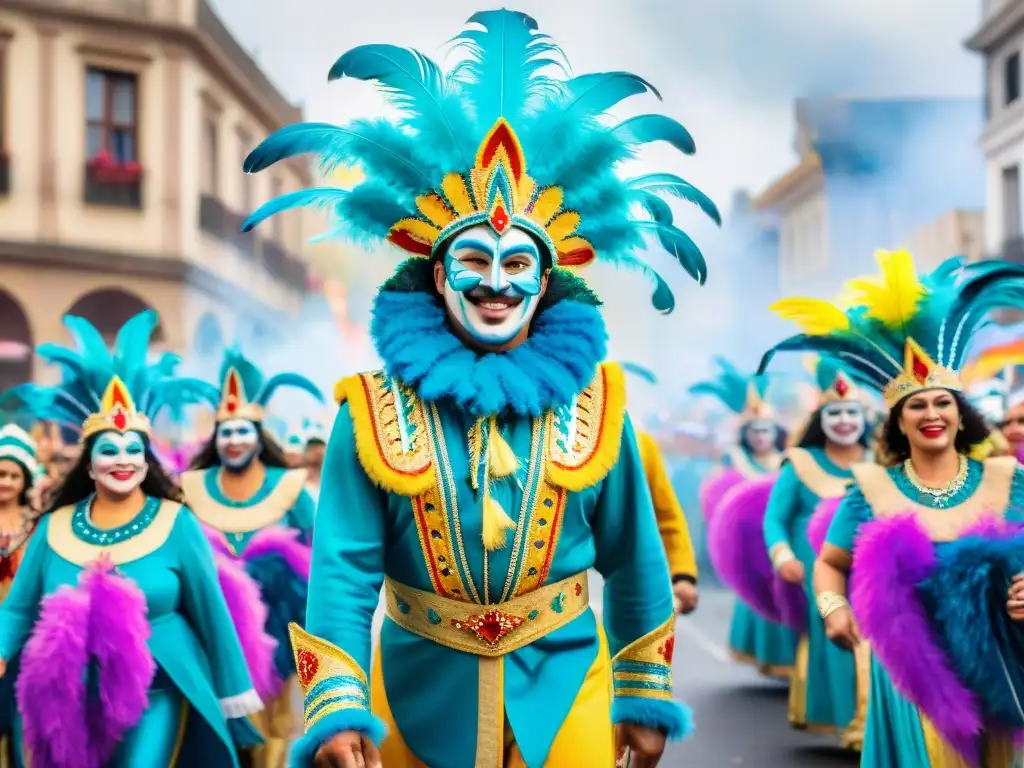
column 841, row 387
column 491, row 626
column 668, row 648
column 579, row 589
column 307, row 666
column 232, row 405
column 120, row 420
column 499, row 220
column 920, row 368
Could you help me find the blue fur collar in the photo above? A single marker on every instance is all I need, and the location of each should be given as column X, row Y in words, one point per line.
column 558, row 361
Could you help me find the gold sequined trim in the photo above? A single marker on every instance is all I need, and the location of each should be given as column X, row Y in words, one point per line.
column 491, row 630
column 432, row 518
column 330, row 679
column 643, row 669
column 63, row 541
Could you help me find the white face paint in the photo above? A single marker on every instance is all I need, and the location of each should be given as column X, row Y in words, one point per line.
column 843, row 423
column 237, row 443
column 118, row 462
column 761, row 435
column 492, row 283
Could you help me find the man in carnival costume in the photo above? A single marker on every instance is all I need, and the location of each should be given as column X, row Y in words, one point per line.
column 675, row 533
column 500, row 181
column 240, row 488
column 922, row 557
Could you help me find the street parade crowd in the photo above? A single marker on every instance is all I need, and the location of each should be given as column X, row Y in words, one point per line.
column 210, row 604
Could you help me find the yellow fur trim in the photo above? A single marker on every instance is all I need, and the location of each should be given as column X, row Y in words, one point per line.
column 340, row 395
column 595, row 433
column 407, row 472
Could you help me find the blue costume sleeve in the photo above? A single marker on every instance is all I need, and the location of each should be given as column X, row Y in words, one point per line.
column 638, row 612
column 207, row 612
column 783, row 505
column 302, row 514
column 333, row 653
column 21, row 607
column 853, row 511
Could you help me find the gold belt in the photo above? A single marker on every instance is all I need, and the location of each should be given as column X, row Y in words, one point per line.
column 487, row 630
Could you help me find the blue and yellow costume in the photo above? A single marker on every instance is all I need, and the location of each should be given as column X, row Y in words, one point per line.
column 490, row 655
column 931, row 566
column 769, row 646
column 828, row 693
column 199, row 680
column 281, row 501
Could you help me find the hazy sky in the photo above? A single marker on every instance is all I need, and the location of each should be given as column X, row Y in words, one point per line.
column 728, row 69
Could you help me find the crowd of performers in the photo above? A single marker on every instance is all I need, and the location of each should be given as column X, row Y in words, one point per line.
column 156, row 612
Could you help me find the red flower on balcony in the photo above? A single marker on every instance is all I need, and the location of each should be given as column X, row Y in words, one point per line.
column 107, row 170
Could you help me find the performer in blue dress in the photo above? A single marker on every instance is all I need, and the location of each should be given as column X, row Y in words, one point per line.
column 925, row 550
column 491, row 463
column 122, row 648
column 824, row 694
column 259, row 513
column 766, row 644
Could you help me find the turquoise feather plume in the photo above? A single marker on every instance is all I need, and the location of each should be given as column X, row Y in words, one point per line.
column 89, row 367
column 730, row 386
column 257, row 387
column 508, row 70
column 640, row 371
column 958, row 299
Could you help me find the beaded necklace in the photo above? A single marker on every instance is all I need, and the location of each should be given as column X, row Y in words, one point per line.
column 940, row 495
column 82, row 525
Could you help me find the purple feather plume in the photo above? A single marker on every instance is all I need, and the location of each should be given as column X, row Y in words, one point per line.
column 103, row 621
column 49, row 688
column 714, row 489
column 821, row 520
column 249, row 615
column 737, row 549
column 217, row 541
column 284, row 543
column 891, row 557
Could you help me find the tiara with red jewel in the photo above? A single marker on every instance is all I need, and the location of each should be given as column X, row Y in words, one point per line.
column 919, row 373
column 117, row 413
column 234, row 404
column 245, row 391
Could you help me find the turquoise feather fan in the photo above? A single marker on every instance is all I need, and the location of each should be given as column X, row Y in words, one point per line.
column 257, row 388
column 88, row 367
column 731, row 387
column 510, row 74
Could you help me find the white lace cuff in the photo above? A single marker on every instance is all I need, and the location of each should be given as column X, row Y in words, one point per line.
column 242, row 705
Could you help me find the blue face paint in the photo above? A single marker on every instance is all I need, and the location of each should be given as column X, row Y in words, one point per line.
column 117, row 462
column 492, row 284
column 237, row 442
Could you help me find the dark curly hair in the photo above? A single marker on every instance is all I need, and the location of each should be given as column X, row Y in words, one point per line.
column 77, row 484
column 896, row 445
column 270, row 454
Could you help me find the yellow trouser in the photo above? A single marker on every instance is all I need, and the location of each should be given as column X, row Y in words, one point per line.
column 276, row 723
column 586, row 737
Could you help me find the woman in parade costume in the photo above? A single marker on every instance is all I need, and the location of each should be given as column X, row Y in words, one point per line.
column 927, row 548
column 115, row 633
column 828, row 692
column 675, row 533
column 313, row 455
column 258, row 512
column 497, row 179
column 764, row 642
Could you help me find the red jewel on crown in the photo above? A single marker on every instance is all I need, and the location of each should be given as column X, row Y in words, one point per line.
column 120, row 419
column 920, row 369
column 499, row 220
column 841, row 387
column 232, row 405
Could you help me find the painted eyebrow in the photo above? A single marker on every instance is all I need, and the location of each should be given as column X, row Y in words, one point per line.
column 522, row 249
column 478, row 245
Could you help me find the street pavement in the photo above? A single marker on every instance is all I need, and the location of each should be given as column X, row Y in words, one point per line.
column 740, row 716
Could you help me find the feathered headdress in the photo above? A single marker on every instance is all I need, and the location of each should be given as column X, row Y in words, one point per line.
column 499, row 139
column 834, row 382
column 742, row 394
column 17, row 445
column 105, row 390
column 245, row 392
column 904, row 333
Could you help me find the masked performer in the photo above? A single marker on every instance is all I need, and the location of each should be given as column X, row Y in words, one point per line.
column 924, row 547
column 824, row 693
column 239, row 486
column 498, row 179
column 19, row 470
column 756, row 638
column 115, row 631
column 675, row 534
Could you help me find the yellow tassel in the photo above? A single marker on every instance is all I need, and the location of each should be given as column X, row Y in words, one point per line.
column 501, row 459
column 496, row 525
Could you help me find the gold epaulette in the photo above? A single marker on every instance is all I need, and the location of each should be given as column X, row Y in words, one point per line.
column 587, row 435
column 390, row 431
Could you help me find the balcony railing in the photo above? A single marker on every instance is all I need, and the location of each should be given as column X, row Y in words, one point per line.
column 221, row 222
column 106, row 187
column 5, row 174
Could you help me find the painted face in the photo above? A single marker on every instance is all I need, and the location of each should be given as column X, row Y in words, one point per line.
column 237, row 443
column 762, row 435
column 843, row 423
column 1013, row 426
column 931, row 420
column 12, row 481
column 492, row 283
column 118, row 462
